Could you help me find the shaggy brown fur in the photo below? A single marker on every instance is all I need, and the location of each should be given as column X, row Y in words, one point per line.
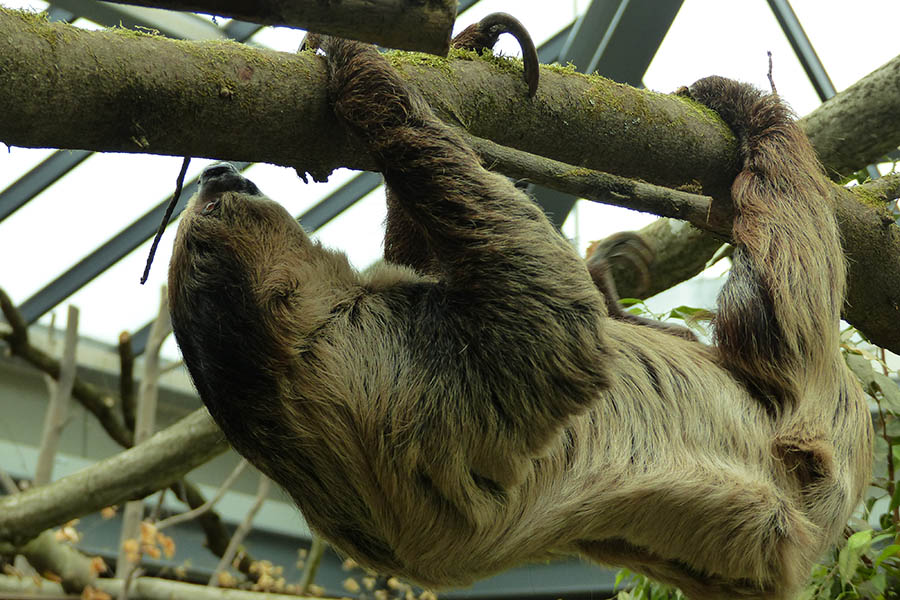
column 404, row 242
column 446, row 427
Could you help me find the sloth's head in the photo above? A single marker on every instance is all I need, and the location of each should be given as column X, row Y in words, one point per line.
column 235, row 273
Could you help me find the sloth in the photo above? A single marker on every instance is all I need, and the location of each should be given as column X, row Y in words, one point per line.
column 446, row 423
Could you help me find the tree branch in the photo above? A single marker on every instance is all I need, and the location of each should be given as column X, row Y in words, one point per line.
column 142, row 588
column 100, row 404
column 90, row 396
column 404, row 24
column 861, row 124
column 128, row 475
column 120, row 91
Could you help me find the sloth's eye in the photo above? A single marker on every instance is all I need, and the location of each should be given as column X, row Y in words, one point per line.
column 210, row 206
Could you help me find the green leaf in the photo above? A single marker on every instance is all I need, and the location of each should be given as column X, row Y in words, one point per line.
column 890, row 391
column 888, row 551
column 808, row 594
column 861, row 367
column 848, row 560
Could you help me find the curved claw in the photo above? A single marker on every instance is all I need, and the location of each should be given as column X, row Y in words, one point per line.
column 628, row 246
column 484, row 34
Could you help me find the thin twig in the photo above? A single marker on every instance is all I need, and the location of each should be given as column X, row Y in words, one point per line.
column 126, row 378
column 604, row 187
column 316, row 550
column 179, row 184
column 58, row 407
column 771, row 79
column 145, row 423
column 241, row 532
column 100, row 403
column 196, row 512
column 8, row 483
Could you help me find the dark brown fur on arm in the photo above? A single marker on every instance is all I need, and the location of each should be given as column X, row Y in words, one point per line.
column 404, row 241
column 488, row 240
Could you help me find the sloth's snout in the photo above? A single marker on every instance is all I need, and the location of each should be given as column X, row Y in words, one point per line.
column 224, row 177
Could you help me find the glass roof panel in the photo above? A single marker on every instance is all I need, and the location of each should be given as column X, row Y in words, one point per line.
column 850, row 42
column 82, row 210
column 704, row 41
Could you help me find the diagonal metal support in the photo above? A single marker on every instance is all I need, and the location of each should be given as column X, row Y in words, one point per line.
column 103, row 257
column 39, row 179
column 807, row 56
column 618, row 39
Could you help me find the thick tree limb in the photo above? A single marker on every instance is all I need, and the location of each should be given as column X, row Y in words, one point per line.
column 128, row 92
column 143, row 588
column 119, row 91
column 129, row 475
column 861, row 124
column 404, row 24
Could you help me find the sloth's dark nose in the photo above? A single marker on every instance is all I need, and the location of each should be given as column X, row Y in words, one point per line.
column 218, row 170
column 224, row 177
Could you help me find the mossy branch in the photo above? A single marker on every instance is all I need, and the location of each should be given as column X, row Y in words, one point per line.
column 129, row 475
column 122, row 91
column 422, row 26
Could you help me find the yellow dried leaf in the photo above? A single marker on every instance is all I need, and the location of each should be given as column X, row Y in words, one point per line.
column 351, row 585
column 98, row 566
column 90, row 593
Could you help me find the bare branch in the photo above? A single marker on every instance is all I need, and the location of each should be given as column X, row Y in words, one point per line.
column 8, row 483
column 206, row 506
column 126, row 92
column 90, row 396
column 316, row 551
column 58, row 408
column 861, row 124
column 126, row 378
column 143, row 588
column 145, row 423
column 243, row 529
column 422, row 26
column 605, row 188
column 128, row 475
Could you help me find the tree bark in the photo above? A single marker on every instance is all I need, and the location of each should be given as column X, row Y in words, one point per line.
column 404, row 24
column 861, row 124
column 129, row 475
column 122, row 91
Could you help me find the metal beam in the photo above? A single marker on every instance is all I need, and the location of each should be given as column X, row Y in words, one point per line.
column 39, row 179
column 803, row 48
column 181, row 25
column 617, row 39
column 807, row 56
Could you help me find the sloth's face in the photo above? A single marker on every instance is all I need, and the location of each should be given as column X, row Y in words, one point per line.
column 231, row 231
column 235, row 274
column 236, row 252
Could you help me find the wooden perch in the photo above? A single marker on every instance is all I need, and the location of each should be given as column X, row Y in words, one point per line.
column 403, row 24
column 129, row 475
column 122, row 91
